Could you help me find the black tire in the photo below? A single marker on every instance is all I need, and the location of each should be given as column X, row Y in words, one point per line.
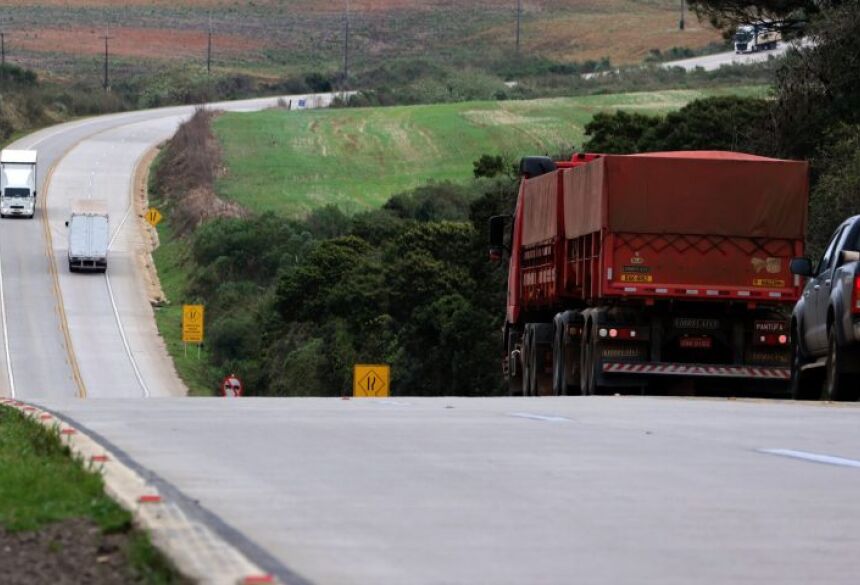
column 559, row 386
column 838, row 386
column 527, row 364
column 515, row 381
column 803, row 384
column 586, row 369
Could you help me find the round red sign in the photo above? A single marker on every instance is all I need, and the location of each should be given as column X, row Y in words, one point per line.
column 231, row 387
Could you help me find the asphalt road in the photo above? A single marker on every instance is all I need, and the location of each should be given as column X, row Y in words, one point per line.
column 604, row 490
column 712, row 62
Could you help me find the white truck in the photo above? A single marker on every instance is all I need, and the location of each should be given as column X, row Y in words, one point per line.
column 17, row 183
column 752, row 38
column 89, row 236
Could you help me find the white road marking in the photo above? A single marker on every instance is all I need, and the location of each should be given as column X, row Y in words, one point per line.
column 125, row 339
column 6, row 335
column 539, row 417
column 814, row 457
column 119, row 325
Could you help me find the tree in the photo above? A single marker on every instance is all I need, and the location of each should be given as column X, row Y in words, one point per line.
column 719, row 123
column 818, row 88
column 619, row 132
column 490, row 166
column 787, row 14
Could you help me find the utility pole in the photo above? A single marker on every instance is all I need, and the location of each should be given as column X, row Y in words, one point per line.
column 107, row 37
column 346, row 46
column 209, row 47
column 3, row 55
column 681, row 22
column 519, row 22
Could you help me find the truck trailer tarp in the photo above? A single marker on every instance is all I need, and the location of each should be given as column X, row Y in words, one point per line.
column 692, row 193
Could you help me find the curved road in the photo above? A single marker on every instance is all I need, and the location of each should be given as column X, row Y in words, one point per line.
column 444, row 490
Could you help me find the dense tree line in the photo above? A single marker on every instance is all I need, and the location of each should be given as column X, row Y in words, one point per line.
column 293, row 304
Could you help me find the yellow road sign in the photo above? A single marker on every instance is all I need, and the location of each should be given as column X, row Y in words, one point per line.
column 153, row 216
column 192, row 323
column 371, row 380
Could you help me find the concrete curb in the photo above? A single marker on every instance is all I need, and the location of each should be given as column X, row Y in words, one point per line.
column 195, row 550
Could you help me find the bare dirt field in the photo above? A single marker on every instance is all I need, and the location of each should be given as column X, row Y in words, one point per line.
column 134, row 42
column 300, row 35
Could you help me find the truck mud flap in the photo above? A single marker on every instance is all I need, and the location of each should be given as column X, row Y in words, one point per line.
column 701, row 371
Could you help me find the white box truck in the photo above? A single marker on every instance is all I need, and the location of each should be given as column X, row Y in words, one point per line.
column 17, row 183
column 89, row 235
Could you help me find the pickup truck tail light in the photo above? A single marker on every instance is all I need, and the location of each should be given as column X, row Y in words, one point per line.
column 855, row 300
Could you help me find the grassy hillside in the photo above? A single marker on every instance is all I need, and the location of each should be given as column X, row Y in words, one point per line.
column 291, row 162
column 274, row 38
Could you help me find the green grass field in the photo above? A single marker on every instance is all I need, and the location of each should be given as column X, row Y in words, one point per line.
column 292, row 162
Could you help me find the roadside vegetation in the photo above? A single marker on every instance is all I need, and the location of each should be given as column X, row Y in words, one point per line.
column 56, row 522
column 297, row 290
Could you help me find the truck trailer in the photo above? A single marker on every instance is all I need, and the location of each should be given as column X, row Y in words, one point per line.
column 627, row 271
column 18, row 183
column 752, row 38
column 89, row 236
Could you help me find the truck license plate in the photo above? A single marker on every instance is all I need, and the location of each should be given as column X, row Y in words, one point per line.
column 696, row 342
column 637, row 278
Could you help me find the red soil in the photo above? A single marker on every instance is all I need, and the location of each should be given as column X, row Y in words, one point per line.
column 132, row 42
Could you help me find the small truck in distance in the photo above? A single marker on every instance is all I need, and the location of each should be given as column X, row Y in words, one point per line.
column 18, row 183
column 652, row 270
column 826, row 321
column 89, row 236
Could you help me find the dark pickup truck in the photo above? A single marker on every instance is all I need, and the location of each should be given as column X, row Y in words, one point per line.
column 825, row 325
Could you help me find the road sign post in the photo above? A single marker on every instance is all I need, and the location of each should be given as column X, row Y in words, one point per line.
column 371, row 381
column 192, row 326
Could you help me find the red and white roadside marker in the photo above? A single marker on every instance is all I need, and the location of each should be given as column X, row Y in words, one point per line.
column 232, row 387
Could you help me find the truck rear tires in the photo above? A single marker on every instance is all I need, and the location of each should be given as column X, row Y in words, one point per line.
column 565, row 355
column 537, row 345
column 514, row 366
column 587, row 370
column 838, row 385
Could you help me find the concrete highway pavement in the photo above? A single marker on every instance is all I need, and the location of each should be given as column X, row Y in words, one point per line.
column 67, row 335
column 607, row 490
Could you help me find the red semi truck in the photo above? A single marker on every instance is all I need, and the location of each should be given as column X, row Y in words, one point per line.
column 630, row 271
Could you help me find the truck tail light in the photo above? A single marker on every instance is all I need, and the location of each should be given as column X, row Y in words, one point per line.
column 625, row 333
column 771, row 339
column 855, row 301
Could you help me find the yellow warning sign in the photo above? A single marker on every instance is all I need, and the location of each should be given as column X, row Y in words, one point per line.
column 371, row 380
column 192, row 323
column 153, row 216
